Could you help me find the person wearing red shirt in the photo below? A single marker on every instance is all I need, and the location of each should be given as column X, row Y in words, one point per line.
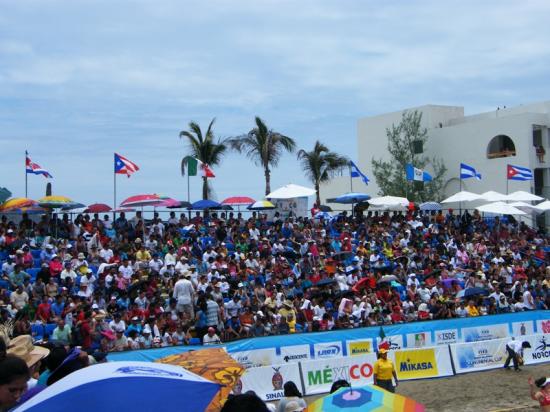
column 56, row 267
column 86, row 332
column 44, row 311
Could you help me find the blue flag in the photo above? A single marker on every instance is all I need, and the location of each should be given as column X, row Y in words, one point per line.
column 416, row 174
column 467, row 171
column 355, row 172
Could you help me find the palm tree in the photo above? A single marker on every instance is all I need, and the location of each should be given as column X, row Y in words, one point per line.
column 319, row 163
column 264, row 146
column 204, row 148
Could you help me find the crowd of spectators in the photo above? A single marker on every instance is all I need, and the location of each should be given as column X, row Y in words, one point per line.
column 214, row 277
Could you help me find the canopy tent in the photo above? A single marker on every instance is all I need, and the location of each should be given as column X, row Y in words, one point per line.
column 500, row 208
column 463, row 196
column 389, row 201
column 492, row 196
column 291, row 191
column 522, row 196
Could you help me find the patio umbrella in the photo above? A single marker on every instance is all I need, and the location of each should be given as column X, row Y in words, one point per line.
column 500, row 208
column 238, row 201
column 17, row 203
column 350, row 198
column 204, row 204
column 492, row 196
column 364, row 399
column 90, row 389
column 98, row 208
column 522, row 196
column 55, row 202
column 73, row 206
column 214, row 364
column 389, row 201
column 4, row 194
column 142, row 200
column 463, row 196
column 427, row 206
column 323, row 215
column 325, row 208
column 526, row 207
column 543, row 206
column 30, row 210
column 169, row 202
column 261, row 205
column 182, row 204
column 291, row 191
column 466, row 293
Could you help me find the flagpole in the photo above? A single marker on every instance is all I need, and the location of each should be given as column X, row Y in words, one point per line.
column 114, row 191
column 350, row 180
column 507, row 166
column 460, row 203
column 26, row 175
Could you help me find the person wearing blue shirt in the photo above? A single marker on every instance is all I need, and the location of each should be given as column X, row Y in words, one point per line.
column 134, row 325
column 58, row 306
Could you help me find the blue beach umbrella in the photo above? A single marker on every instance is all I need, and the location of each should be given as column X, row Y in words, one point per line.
column 350, row 198
column 466, row 293
column 204, row 204
column 428, row 206
column 323, row 215
column 116, row 386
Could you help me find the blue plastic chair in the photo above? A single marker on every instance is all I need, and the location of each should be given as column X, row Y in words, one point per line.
column 37, row 263
column 36, row 253
column 33, row 272
column 4, row 284
column 194, row 341
column 37, row 331
column 93, row 268
column 48, row 330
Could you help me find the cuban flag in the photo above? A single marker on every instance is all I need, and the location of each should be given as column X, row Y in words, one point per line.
column 416, row 174
column 519, row 173
column 124, row 166
column 355, row 172
column 35, row 168
column 467, row 172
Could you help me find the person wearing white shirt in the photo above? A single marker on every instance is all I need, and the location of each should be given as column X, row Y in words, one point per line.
column 170, row 258
column 184, row 294
column 412, row 279
column 254, row 233
column 514, row 348
column 126, row 269
column 105, row 253
column 424, row 293
column 182, row 265
column 528, row 301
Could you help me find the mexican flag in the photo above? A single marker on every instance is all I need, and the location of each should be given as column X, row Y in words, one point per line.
column 195, row 166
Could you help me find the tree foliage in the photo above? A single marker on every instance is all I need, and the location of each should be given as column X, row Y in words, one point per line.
column 390, row 174
column 319, row 163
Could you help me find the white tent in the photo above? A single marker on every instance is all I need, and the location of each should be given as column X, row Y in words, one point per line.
column 492, row 196
column 389, row 201
column 463, row 196
column 526, row 207
column 522, row 196
column 500, row 208
column 544, row 206
column 290, row 191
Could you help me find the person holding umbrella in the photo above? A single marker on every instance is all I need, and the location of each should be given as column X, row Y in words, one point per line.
column 384, row 370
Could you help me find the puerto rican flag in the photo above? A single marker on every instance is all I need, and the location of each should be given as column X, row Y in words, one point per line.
column 519, row 173
column 124, row 166
column 35, row 168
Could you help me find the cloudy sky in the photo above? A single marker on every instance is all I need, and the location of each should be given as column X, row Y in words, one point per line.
column 80, row 80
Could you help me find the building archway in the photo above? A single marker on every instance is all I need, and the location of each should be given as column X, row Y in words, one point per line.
column 501, row 146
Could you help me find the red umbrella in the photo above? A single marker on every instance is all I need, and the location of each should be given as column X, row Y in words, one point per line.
column 98, row 208
column 142, row 200
column 169, row 202
column 238, row 200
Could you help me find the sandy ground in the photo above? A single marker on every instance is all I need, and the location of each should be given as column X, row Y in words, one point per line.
column 494, row 390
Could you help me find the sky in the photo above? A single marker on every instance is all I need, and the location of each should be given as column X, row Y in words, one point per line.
column 80, row 80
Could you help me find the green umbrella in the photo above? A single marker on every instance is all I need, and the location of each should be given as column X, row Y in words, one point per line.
column 4, row 194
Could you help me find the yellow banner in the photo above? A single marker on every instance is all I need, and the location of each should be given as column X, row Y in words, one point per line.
column 359, row 347
column 418, row 363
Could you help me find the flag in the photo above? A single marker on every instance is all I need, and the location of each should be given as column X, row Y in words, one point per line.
column 468, row 171
column 416, row 174
column 355, row 172
column 519, row 173
column 35, row 168
column 194, row 165
column 124, row 166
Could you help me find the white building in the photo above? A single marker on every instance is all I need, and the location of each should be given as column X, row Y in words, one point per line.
column 487, row 141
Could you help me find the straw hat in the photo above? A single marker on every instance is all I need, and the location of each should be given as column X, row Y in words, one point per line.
column 23, row 348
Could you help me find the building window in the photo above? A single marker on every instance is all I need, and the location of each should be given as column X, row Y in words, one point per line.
column 501, row 146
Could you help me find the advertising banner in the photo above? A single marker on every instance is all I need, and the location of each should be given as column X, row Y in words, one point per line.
column 419, row 339
column 296, row 353
column 395, row 341
column 268, row 381
column 328, row 350
column 359, row 347
column 522, row 328
column 422, row 363
column 446, row 336
column 319, row 375
column 539, row 351
column 475, row 356
column 487, row 332
column 256, row 358
column 543, row 326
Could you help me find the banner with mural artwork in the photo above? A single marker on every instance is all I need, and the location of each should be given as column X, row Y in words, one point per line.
column 318, row 375
column 422, row 363
column 268, row 381
column 476, row 356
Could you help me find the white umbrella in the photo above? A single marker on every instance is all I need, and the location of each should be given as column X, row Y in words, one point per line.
column 500, row 208
column 544, row 206
column 526, row 207
column 389, row 201
column 492, row 196
column 522, row 196
column 463, row 196
column 290, row 191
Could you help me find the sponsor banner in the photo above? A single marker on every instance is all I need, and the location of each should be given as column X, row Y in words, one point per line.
column 359, row 347
column 419, row 339
column 474, row 356
column 295, row 353
column 267, row 382
column 523, row 328
column 543, row 326
column 396, row 342
column 328, row 350
column 256, row 358
column 487, row 332
column 539, row 351
column 318, row 375
column 446, row 336
column 422, row 363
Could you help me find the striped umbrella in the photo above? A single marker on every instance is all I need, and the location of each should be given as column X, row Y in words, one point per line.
column 29, row 210
column 261, row 205
column 55, row 202
column 17, row 203
column 430, row 206
column 142, row 200
column 238, row 201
